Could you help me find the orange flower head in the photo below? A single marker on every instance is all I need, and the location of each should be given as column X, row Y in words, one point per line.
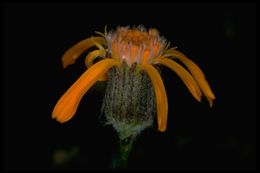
column 128, row 59
column 135, row 45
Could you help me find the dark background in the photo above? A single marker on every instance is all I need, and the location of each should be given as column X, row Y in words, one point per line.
column 219, row 37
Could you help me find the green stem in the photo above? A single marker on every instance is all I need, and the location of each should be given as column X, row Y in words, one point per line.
column 125, row 147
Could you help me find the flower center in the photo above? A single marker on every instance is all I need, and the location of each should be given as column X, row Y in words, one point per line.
column 135, row 45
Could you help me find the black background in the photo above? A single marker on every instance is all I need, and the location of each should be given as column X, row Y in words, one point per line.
column 219, row 37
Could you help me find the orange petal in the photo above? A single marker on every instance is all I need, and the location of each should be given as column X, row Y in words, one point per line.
column 161, row 96
column 115, row 50
column 103, row 77
column 197, row 74
column 74, row 52
column 92, row 55
column 184, row 75
column 146, row 56
column 68, row 103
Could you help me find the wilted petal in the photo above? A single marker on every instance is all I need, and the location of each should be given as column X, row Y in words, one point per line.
column 92, row 55
column 74, row 52
column 184, row 75
column 197, row 74
column 161, row 96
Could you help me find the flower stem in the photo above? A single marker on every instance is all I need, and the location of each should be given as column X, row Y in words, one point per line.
column 125, row 147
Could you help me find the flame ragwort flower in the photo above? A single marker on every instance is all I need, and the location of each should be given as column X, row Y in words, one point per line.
column 135, row 47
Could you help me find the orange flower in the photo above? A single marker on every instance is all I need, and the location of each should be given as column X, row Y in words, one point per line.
column 133, row 46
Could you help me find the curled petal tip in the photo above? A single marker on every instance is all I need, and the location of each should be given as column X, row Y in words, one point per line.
column 62, row 121
column 64, row 66
column 162, row 129
column 211, row 102
column 210, row 97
